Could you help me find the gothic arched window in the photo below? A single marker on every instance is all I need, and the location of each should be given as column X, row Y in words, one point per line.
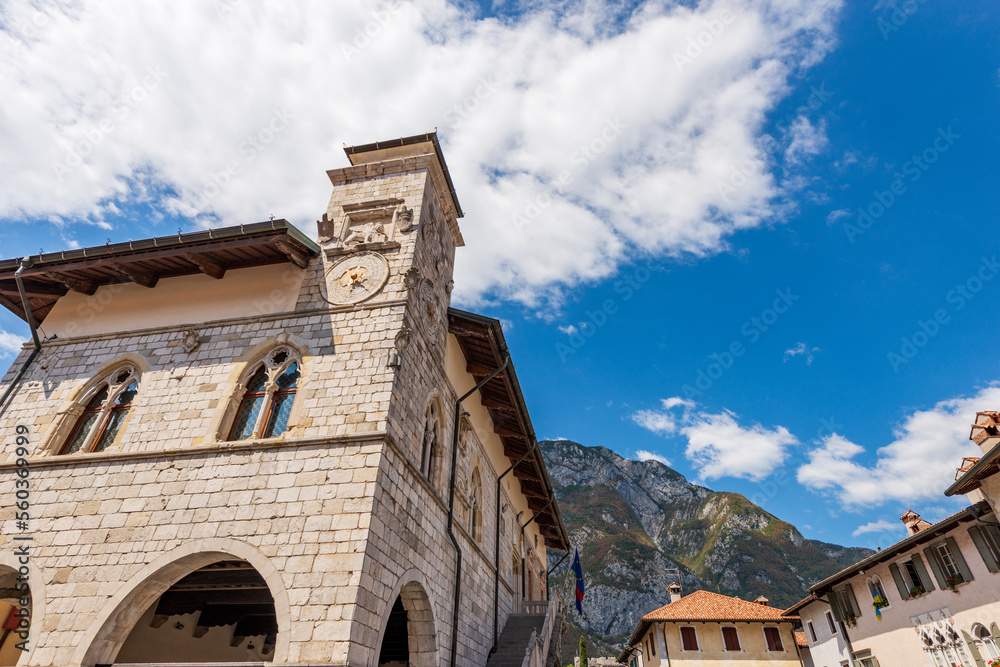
column 430, row 446
column 267, row 401
column 105, row 413
column 477, row 506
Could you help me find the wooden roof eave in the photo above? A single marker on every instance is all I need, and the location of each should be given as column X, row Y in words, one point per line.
column 48, row 277
column 507, row 408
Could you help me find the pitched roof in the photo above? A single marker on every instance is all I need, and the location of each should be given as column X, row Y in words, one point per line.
column 800, row 639
column 705, row 606
column 708, row 606
column 798, row 605
column 929, row 534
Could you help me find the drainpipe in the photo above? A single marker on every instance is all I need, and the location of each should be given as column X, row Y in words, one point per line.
column 843, row 631
column 551, row 570
column 524, row 561
column 496, row 550
column 34, row 334
column 451, row 506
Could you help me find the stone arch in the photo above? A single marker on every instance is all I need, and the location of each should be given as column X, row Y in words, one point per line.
column 36, row 585
column 421, row 633
column 106, row 635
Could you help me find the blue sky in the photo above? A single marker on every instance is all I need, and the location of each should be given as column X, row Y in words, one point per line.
column 722, row 185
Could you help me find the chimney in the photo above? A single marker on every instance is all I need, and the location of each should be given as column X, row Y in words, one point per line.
column 675, row 592
column 763, row 601
column 914, row 524
column 985, row 432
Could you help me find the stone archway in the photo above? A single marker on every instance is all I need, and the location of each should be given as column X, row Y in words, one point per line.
column 13, row 575
column 111, row 629
column 408, row 629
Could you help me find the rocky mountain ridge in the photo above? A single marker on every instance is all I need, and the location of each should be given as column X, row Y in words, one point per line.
column 634, row 521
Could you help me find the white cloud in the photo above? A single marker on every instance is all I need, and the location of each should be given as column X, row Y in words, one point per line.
column 801, row 349
column 10, row 344
column 836, row 215
column 569, row 329
column 718, row 446
column 644, row 455
column 880, row 526
column 519, row 102
column 807, row 140
column 919, row 464
column 661, row 423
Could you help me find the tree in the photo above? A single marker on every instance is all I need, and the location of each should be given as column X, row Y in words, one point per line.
column 583, row 652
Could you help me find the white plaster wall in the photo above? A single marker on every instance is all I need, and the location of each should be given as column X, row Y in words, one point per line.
column 190, row 299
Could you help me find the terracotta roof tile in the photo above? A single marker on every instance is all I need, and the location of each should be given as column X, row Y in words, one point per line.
column 800, row 639
column 707, row 606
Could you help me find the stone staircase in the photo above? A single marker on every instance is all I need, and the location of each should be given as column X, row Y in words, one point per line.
column 513, row 641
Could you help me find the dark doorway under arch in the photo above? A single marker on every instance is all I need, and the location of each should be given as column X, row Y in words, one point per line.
column 395, row 650
column 223, row 612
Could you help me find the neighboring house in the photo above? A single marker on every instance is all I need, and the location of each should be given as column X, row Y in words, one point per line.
column 710, row 630
column 937, row 591
column 242, row 445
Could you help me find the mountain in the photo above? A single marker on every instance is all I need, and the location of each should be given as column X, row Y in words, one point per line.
column 635, row 520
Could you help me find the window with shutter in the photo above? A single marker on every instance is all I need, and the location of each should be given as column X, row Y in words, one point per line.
column 833, row 626
column 689, row 639
column 987, row 547
column 773, row 637
column 812, row 631
column 731, row 639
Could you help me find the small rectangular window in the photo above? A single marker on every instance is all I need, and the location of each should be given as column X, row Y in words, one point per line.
column 731, row 639
column 812, row 631
column 773, row 636
column 652, row 643
column 833, row 626
column 689, row 639
column 951, row 568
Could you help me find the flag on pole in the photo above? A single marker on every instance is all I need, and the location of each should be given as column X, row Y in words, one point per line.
column 578, row 570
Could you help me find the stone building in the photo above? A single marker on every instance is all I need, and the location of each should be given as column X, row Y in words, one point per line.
column 244, row 446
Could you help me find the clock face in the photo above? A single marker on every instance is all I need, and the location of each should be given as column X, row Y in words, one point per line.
column 355, row 278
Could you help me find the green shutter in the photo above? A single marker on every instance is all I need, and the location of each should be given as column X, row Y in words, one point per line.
column 995, row 631
column 838, row 613
column 956, row 553
column 925, row 579
column 897, row 576
column 993, row 534
column 939, row 573
column 973, row 649
column 979, row 539
column 875, row 661
column 853, row 600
